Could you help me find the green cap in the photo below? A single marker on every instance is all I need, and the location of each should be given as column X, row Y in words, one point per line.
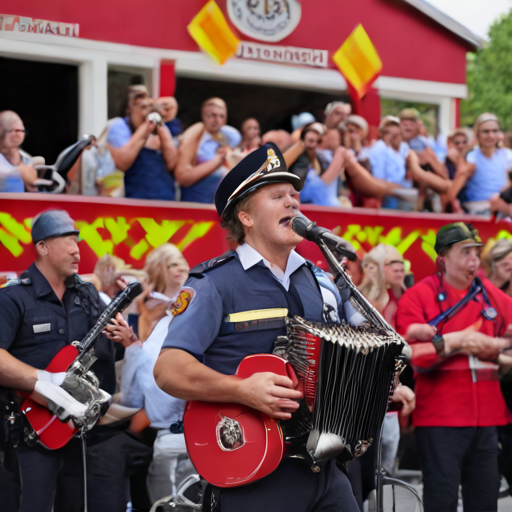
column 455, row 233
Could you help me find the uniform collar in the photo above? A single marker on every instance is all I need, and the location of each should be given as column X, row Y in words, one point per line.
column 41, row 286
column 250, row 257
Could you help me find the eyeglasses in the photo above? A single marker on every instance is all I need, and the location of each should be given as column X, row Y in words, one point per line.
column 487, row 132
column 17, row 131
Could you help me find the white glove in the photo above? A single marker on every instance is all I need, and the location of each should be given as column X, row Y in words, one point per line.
column 54, row 378
column 59, row 401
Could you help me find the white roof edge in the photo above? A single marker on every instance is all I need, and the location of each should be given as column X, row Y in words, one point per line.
column 447, row 22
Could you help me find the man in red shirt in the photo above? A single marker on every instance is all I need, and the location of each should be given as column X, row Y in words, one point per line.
column 458, row 397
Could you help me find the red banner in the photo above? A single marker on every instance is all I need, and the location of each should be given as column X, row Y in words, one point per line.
column 131, row 228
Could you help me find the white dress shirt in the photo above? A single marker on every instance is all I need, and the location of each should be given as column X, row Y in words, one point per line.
column 250, row 257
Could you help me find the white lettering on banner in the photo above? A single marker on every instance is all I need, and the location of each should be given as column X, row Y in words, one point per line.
column 12, row 23
column 283, row 54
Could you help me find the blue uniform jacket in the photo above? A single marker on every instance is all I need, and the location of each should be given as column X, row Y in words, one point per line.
column 223, row 287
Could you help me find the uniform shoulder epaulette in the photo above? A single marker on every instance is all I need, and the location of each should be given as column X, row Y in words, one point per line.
column 213, row 263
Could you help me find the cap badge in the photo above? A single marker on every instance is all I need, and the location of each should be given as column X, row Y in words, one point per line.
column 272, row 160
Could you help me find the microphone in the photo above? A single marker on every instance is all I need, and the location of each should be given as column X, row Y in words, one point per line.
column 310, row 231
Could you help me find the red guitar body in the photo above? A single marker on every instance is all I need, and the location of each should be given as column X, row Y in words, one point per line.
column 260, row 447
column 52, row 433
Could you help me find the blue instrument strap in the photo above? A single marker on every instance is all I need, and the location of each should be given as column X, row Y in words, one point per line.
column 475, row 289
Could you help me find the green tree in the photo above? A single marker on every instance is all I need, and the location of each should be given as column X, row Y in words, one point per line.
column 489, row 76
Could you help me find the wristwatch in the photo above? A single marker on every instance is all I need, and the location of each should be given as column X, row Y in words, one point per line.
column 438, row 342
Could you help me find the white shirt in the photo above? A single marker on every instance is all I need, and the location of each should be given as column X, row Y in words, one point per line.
column 138, row 386
column 250, row 257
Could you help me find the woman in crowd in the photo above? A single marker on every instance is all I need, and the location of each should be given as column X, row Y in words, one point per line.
column 383, row 283
column 497, row 263
column 143, row 149
column 488, row 174
column 16, row 173
column 457, row 168
column 251, row 135
column 167, row 271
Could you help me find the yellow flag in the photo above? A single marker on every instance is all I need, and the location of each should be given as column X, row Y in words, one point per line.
column 358, row 60
column 211, row 32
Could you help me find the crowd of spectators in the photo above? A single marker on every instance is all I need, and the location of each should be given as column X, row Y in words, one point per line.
column 342, row 160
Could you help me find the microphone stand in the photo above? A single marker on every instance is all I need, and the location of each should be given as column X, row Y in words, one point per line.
column 348, row 289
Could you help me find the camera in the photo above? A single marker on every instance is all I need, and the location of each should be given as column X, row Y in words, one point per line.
column 156, row 118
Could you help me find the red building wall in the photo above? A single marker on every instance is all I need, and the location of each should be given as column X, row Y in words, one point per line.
column 410, row 44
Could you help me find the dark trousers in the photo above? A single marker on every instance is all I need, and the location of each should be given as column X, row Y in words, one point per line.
column 453, row 456
column 53, row 480
column 292, row 486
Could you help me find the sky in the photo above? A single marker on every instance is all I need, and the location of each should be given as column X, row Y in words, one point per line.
column 477, row 15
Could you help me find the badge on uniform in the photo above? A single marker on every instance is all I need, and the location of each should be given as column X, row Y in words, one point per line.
column 39, row 328
column 183, row 301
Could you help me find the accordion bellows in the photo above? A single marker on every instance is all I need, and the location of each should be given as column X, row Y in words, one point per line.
column 347, row 375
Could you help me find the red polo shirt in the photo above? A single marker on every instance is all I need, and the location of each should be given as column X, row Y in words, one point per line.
column 448, row 395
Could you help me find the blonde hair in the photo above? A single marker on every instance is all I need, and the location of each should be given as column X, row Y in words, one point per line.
column 494, row 251
column 374, row 288
column 216, row 102
column 458, row 132
column 483, row 118
column 157, row 262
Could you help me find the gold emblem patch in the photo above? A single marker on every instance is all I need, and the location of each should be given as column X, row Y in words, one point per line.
column 183, row 301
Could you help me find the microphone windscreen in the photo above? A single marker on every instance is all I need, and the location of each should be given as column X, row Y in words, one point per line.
column 300, row 224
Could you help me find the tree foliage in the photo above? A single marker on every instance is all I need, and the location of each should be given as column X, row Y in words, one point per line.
column 489, row 76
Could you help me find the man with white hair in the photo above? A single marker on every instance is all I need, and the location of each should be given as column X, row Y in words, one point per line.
column 15, row 168
column 336, row 113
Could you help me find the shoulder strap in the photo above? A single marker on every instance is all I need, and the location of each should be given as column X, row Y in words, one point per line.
column 202, row 268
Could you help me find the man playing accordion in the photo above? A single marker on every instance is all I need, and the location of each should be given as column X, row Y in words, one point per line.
column 237, row 305
column 456, row 323
column 256, row 202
